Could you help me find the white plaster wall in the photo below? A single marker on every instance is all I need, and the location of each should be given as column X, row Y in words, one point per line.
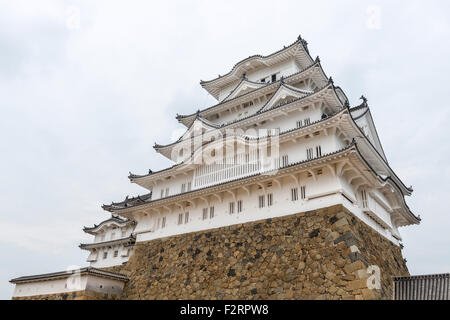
column 284, row 69
column 323, row 192
column 70, row 284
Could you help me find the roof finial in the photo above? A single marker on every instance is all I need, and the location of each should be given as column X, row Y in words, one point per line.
column 364, row 99
column 331, row 80
column 317, row 59
column 150, row 171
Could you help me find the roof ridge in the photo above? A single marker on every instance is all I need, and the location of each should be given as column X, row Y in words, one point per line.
column 315, row 63
column 299, row 40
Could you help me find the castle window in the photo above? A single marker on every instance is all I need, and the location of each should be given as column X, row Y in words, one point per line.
column 186, row 217
column 180, row 219
column 299, row 123
column 205, row 213
column 285, row 160
column 318, row 151
column 239, row 206
column 274, row 77
column 307, row 121
column 269, row 199
column 303, row 192
column 116, row 253
column 189, row 186
column 231, row 207
column 163, row 222
column 309, row 153
column 364, row 198
column 294, row 194
column 105, row 255
column 211, row 212
column 183, row 188
column 261, row 202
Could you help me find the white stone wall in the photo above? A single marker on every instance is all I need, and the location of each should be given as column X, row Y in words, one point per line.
column 325, row 191
column 70, row 284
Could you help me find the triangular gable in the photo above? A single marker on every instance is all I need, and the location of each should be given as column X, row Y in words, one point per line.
column 284, row 94
column 363, row 118
column 243, row 87
column 198, row 126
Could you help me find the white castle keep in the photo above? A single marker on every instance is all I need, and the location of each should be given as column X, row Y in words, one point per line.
column 281, row 139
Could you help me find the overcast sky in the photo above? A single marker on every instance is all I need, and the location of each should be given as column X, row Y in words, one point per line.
column 87, row 88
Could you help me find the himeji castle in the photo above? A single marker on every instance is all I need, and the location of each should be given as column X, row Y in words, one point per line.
column 281, row 190
column 281, row 139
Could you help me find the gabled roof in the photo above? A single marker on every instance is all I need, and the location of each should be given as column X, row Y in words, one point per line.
column 188, row 134
column 128, row 241
column 66, row 274
column 311, row 70
column 363, row 111
column 128, row 201
column 328, row 86
column 282, row 92
column 298, row 50
column 113, row 220
column 242, row 87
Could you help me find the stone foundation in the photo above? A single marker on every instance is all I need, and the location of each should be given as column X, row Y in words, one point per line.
column 321, row 254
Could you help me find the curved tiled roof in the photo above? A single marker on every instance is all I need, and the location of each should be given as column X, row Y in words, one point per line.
column 128, row 240
column 66, row 274
column 299, row 40
column 134, row 176
column 244, row 79
column 316, row 63
column 246, row 177
column 129, row 201
column 113, row 219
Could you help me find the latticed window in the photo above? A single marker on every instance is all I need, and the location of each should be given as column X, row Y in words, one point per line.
column 186, row 217
column 239, row 206
column 269, row 199
column 205, row 213
column 231, row 207
column 183, row 187
column 303, row 192
column 299, row 123
column 211, row 212
column 262, row 202
column 307, row 121
column 318, row 151
column 294, row 194
column 163, row 225
column 309, row 153
column 364, row 198
column 105, row 255
column 285, row 160
column 180, row 219
column 116, row 253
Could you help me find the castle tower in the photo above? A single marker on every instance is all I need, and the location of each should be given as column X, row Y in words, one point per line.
column 282, row 139
column 281, row 143
column 113, row 241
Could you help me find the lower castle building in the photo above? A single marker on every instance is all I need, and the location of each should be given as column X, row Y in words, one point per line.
column 280, row 190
